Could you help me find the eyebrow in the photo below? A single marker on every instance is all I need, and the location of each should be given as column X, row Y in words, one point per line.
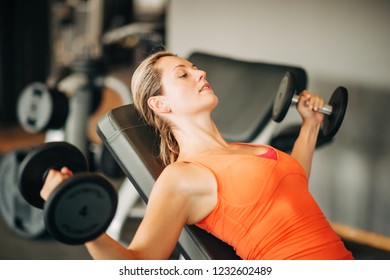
column 183, row 66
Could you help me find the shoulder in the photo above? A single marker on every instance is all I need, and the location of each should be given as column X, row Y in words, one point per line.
column 186, row 178
column 189, row 186
column 183, row 173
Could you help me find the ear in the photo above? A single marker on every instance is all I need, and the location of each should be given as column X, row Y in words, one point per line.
column 157, row 104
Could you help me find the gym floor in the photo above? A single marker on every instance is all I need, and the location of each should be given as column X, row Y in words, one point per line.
column 14, row 247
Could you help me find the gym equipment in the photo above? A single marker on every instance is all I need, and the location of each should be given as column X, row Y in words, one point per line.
column 128, row 137
column 40, row 108
column 46, row 107
column 334, row 111
column 102, row 160
column 285, row 139
column 20, row 217
column 81, row 207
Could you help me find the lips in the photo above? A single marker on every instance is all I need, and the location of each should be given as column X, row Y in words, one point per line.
column 205, row 87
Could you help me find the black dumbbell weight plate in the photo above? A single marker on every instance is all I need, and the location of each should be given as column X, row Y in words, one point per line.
column 283, row 97
column 338, row 101
column 22, row 218
column 34, row 167
column 40, row 108
column 34, row 107
column 80, row 209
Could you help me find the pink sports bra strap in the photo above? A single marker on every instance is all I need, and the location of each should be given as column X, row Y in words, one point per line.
column 270, row 154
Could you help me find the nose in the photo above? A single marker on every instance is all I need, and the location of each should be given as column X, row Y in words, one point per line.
column 201, row 75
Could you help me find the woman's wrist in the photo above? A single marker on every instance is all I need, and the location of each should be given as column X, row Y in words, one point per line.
column 309, row 132
column 311, row 125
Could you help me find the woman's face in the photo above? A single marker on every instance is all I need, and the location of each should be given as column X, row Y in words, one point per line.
column 185, row 88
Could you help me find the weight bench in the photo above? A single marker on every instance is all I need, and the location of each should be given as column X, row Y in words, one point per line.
column 246, row 92
column 133, row 145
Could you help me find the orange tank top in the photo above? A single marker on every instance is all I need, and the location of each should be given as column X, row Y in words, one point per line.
column 265, row 210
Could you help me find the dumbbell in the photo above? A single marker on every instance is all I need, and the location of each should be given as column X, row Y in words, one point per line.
column 22, row 219
column 334, row 111
column 81, row 208
column 40, row 108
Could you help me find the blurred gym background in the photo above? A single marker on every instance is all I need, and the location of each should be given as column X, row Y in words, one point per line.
column 336, row 42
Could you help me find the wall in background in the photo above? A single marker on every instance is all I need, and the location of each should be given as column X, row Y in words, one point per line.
column 24, row 51
column 338, row 43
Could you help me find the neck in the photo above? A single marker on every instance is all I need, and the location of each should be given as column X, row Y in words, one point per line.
column 196, row 136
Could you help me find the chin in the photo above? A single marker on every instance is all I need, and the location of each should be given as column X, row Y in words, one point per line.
column 214, row 104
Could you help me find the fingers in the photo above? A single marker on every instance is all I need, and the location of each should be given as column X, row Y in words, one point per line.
column 66, row 171
column 53, row 179
column 312, row 101
column 308, row 106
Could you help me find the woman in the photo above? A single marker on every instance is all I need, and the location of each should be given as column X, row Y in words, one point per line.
column 251, row 196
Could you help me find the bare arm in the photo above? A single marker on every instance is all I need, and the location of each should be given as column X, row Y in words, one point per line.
column 183, row 194
column 304, row 146
column 157, row 235
column 104, row 247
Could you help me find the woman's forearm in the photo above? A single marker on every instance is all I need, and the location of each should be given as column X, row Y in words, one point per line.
column 305, row 144
column 106, row 248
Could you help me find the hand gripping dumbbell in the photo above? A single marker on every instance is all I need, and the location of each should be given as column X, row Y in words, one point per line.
column 334, row 111
column 81, row 208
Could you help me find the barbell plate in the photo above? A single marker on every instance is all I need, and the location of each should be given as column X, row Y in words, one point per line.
column 35, row 107
column 20, row 217
column 40, row 108
column 80, row 209
column 53, row 155
column 283, row 97
column 339, row 102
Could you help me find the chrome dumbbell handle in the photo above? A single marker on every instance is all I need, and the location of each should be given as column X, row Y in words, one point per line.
column 326, row 109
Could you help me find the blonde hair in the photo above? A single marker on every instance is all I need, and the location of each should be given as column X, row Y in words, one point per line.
column 145, row 83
